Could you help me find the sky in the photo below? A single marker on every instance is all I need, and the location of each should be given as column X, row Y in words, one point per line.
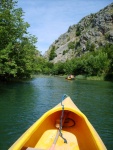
column 49, row 19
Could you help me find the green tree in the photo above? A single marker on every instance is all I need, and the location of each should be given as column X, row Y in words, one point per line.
column 71, row 45
column 52, row 54
column 96, row 63
column 90, row 46
column 78, row 31
column 108, row 48
column 69, row 66
column 17, row 47
column 58, row 68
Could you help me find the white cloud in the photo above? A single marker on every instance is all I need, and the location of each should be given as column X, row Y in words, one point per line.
column 49, row 19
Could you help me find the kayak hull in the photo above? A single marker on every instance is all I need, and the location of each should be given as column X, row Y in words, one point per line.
column 77, row 130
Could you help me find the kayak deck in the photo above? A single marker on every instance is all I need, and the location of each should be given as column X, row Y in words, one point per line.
column 48, row 137
column 76, row 133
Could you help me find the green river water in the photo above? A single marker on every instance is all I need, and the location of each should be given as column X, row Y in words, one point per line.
column 22, row 103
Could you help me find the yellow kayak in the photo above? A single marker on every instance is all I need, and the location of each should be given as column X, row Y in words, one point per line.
column 70, row 77
column 64, row 127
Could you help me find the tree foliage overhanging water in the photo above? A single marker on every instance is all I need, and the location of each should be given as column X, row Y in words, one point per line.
column 17, row 50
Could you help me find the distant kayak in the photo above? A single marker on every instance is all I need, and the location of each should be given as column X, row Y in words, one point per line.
column 64, row 127
column 70, row 77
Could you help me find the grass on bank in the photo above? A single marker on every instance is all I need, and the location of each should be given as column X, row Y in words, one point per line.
column 83, row 77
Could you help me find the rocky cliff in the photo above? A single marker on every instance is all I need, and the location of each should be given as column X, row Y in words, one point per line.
column 91, row 32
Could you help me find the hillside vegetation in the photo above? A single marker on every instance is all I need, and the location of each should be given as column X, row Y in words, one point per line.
column 95, row 63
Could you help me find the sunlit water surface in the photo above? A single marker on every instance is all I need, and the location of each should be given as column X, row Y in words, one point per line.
column 22, row 103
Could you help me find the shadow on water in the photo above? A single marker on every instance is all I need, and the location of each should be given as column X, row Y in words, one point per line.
column 22, row 103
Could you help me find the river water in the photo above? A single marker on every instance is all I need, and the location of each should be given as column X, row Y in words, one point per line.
column 22, row 103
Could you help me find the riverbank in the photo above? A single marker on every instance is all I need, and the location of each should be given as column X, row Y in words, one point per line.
column 77, row 77
column 83, row 77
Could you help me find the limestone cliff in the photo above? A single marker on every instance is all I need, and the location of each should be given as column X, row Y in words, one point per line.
column 91, row 32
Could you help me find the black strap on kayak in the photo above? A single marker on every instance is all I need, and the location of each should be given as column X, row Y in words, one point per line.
column 61, row 118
